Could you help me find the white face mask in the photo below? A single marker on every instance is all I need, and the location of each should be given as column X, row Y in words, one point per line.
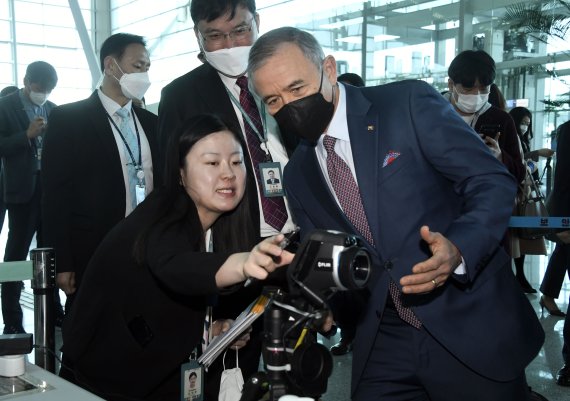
column 471, row 103
column 523, row 128
column 133, row 85
column 38, row 98
column 231, row 62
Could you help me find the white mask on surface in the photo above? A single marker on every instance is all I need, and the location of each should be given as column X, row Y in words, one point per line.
column 133, row 85
column 471, row 103
column 38, row 98
column 231, row 62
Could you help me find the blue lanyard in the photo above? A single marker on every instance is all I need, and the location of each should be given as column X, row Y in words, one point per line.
column 262, row 138
column 139, row 165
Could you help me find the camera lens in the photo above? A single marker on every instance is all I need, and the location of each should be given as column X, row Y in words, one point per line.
column 353, row 268
column 360, row 269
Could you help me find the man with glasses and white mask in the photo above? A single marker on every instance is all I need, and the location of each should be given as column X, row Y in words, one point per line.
column 226, row 30
column 98, row 160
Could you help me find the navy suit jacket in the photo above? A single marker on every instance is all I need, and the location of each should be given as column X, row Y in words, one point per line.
column 442, row 176
column 82, row 177
column 18, row 157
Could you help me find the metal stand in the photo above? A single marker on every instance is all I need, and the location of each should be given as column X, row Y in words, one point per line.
column 43, row 284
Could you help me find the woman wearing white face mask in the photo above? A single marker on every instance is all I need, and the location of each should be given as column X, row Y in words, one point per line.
column 521, row 247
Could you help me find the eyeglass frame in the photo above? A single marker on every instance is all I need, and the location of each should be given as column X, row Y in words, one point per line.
column 247, row 28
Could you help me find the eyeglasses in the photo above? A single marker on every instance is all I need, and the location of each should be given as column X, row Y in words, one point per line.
column 239, row 33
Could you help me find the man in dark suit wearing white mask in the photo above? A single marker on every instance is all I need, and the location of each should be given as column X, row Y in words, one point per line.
column 98, row 159
column 226, row 30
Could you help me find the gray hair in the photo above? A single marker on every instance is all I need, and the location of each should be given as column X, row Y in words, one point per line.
column 266, row 46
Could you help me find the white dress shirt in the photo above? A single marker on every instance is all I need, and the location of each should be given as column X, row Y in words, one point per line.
column 111, row 107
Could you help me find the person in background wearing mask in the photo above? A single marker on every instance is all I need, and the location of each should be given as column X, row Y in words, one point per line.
column 396, row 165
column 521, row 246
column 226, row 30
column 471, row 74
column 23, row 119
column 98, row 160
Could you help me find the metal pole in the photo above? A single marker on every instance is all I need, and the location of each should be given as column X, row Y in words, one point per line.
column 43, row 284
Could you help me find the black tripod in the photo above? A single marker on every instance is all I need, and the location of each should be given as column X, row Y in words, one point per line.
column 293, row 360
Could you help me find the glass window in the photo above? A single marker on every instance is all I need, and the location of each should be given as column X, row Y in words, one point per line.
column 5, row 30
column 64, row 37
column 43, row 14
column 6, row 52
column 7, row 75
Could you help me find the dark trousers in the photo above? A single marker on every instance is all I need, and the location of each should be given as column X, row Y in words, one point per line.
column 24, row 222
column 407, row 364
column 558, row 265
column 566, row 337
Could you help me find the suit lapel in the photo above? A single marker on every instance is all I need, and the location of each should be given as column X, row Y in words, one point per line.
column 19, row 112
column 102, row 129
column 363, row 131
column 215, row 95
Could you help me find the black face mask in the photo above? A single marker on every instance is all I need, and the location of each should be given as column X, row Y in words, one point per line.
column 307, row 117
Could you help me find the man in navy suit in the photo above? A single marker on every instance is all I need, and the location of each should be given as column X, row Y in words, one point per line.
column 442, row 318
column 23, row 119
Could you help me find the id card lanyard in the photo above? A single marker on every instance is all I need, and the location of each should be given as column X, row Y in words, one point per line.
column 268, row 165
column 140, row 188
column 192, row 380
column 191, row 372
column 261, row 136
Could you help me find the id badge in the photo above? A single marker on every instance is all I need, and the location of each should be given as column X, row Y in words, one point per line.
column 191, row 381
column 139, row 192
column 272, row 179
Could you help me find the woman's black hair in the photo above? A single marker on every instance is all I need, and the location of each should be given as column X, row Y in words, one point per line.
column 518, row 113
column 176, row 205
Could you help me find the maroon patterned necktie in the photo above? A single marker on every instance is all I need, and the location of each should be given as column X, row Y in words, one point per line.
column 348, row 195
column 274, row 211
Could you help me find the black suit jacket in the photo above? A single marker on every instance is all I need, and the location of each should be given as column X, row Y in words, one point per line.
column 559, row 199
column 131, row 326
column 83, row 183
column 18, row 158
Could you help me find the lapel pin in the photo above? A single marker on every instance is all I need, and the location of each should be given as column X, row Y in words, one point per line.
column 370, row 128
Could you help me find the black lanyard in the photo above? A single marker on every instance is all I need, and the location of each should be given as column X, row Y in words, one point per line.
column 139, row 165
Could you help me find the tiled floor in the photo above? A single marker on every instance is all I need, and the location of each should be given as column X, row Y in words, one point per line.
column 540, row 373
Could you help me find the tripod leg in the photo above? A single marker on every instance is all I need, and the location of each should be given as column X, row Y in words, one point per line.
column 255, row 387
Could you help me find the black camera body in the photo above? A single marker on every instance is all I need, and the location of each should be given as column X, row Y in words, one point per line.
column 328, row 261
column 294, row 361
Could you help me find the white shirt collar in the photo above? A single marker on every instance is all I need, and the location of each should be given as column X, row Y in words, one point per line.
column 110, row 105
column 338, row 127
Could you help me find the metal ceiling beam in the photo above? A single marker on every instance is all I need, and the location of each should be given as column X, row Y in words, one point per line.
column 90, row 55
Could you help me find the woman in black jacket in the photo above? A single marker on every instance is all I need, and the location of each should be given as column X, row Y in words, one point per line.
column 140, row 311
